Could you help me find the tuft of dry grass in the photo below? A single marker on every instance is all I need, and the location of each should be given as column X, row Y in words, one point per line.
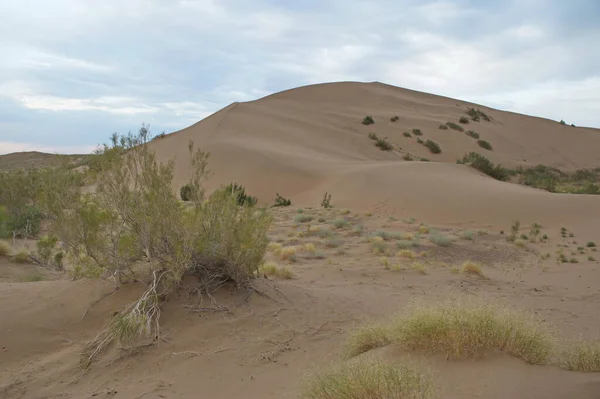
column 272, row 269
column 274, row 247
column 378, row 245
column 366, row 338
column 423, row 229
column 472, row 268
column 21, row 257
column 310, row 247
column 406, row 253
column 385, row 262
column 287, row 253
column 520, row 243
column 4, row 248
column 370, row 379
column 466, row 328
column 419, row 267
column 440, row 239
column 581, row 356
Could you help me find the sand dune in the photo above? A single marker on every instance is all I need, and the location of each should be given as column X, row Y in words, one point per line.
column 302, row 143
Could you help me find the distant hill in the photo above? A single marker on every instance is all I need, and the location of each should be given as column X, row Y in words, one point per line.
column 35, row 159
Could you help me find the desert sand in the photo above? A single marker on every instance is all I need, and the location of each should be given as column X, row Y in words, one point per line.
column 302, row 143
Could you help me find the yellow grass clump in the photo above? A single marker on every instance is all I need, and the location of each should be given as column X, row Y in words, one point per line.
column 582, row 356
column 472, row 268
column 4, row 248
column 368, row 379
column 367, row 337
column 384, row 261
column 466, row 328
column 310, row 247
column 272, row 269
column 407, row 236
column 287, row 253
column 406, row 253
column 419, row 267
column 274, row 247
column 423, row 229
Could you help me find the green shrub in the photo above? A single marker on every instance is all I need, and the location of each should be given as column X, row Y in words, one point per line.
column 394, row 118
column 406, row 134
column 326, row 202
column 591, row 244
column 475, row 114
column 472, row 134
column 443, row 127
column 464, row 120
column 455, row 126
column 417, row 132
column 485, row 145
column 407, row 157
column 340, row 223
column 239, row 193
column 484, row 165
column 45, row 249
column 563, row 122
column 440, row 239
column 281, row 201
column 420, row 141
column 368, row 120
column 303, row 218
column 187, row 192
column 383, row 145
column 434, row 148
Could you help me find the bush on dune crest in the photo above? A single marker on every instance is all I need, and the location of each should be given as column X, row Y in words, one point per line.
column 370, row 379
column 460, row 328
column 582, row 356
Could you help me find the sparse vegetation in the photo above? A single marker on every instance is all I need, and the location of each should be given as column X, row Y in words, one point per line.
column 326, row 203
column 368, row 120
column 484, row 165
column 464, row 120
column 281, row 201
column 591, row 244
column 417, row 132
column 440, row 239
column 301, row 218
column 22, row 256
column 4, row 248
column 443, row 127
column 433, row 147
column 394, row 118
column 581, row 356
column 272, row 269
column 365, row 338
column 468, row 235
column 238, row 192
column 383, row 145
column 419, row 267
column 485, row 145
column 369, row 379
column 472, row 134
column 476, row 114
column 465, row 328
column 472, row 268
column 373, row 136
column 455, row 126
column 420, row 141
column 340, row 223
column 407, row 157
column 407, row 134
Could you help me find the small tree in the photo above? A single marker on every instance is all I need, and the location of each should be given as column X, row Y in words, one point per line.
column 326, row 203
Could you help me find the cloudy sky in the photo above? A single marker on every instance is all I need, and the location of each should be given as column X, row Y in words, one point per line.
column 74, row 71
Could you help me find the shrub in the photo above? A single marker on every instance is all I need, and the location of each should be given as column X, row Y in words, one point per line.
column 420, row 141
column 443, row 127
column 326, row 203
column 468, row 235
column 187, row 192
column 281, row 201
column 484, row 165
column 365, row 338
column 464, row 120
column 369, row 379
column 303, row 218
column 394, row 118
column 434, row 148
column 368, row 120
column 334, row 243
column 462, row 328
column 239, row 193
column 417, row 132
column 454, row 126
column 440, row 239
column 582, row 356
column 419, row 267
column 407, row 244
column 4, row 248
column 407, row 134
column 272, row 269
column 407, row 157
column 591, row 258
column 469, row 267
column 373, row 136
column 45, row 250
column 563, row 122
column 383, row 145
column 485, row 145
column 475, row 114
column 159, row 136
column 340, row 223
column 22, row 257
column 472, row 134
column 406, row 253
column 591, row 244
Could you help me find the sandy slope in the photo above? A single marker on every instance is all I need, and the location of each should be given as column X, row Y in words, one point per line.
column 301, row 143
column 309, row 140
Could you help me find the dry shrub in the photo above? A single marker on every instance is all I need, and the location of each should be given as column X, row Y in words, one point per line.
column 22, row 256
column 419, row 267
column 4, row 248
column 466, row 328
column 370, row 379
column 406, row 253
column 272, row 269
column 473, row 268
column 287, row 253
column 581, row 356
column 367, row 337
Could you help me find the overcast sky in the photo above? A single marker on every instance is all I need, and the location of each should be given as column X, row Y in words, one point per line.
column 74, row 71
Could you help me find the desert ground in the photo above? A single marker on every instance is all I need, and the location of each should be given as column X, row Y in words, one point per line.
column 399, row 231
